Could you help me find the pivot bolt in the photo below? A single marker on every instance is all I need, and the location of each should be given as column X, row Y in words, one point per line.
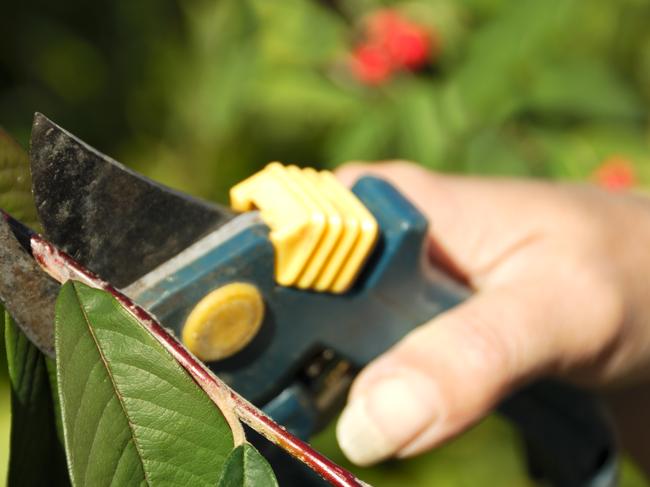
column 224, row 321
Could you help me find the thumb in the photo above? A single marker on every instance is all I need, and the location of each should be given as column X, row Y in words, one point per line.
column 445, row 375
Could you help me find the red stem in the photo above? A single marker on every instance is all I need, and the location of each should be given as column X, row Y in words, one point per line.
column 62, row 267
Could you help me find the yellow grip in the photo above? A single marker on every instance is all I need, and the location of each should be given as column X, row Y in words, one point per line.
column 321, row 232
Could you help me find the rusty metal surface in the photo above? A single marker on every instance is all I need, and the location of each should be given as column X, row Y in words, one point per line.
column 112, row 220
column 26, row 291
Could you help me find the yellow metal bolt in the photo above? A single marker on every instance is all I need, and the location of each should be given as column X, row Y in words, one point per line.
column 224, row 321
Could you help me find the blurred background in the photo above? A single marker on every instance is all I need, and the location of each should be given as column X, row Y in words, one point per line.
column 199, row 94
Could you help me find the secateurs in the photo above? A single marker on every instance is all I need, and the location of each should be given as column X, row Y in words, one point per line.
column 285, row 295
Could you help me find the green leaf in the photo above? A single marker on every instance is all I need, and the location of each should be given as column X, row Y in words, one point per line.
column 246, row 467
column 367, row 136
column 583, row 88
column 37, row 456
column 131, row 414
column 56, row 404
column 503, row 54
column 15, row 181
column 422, row 130
column 495, row 152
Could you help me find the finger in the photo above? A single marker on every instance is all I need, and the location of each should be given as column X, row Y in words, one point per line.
column 349, row 172
column 446, row 375
column 406, row 176
column 474, row 223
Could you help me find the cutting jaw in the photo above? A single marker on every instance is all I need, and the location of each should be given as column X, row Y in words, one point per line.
column 113, row 221
column 26, row 291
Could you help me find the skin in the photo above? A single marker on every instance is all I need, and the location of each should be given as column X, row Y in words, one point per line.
column 562, row 280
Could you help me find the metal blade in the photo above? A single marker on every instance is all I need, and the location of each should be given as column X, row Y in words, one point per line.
column 27, row 292
column 112, row 220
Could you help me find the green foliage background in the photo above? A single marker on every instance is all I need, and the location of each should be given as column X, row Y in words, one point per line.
column 199, row 94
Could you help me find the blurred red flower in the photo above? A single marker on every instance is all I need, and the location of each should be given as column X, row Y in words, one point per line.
column 370, row 64
column 616, row 173
column 406, row 43
column 390, row 42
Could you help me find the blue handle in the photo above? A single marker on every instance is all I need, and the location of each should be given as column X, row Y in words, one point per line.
column 397, row 291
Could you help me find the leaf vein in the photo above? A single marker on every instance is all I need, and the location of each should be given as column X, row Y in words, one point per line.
column 175, row 438
column 112, row 379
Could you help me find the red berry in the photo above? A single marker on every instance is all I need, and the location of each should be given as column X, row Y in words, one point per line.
column 370, row 64
column 391, row 42
column 407, row 44
column 409, row 47
column 616, row 173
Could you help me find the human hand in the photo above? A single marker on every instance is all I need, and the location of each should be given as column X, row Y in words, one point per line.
column 562, row 280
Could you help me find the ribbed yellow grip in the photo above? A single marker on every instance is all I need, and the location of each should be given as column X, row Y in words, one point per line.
column 321, row 232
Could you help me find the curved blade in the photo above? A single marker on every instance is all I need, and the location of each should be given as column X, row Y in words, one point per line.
column 112, row 220
column 27, row 292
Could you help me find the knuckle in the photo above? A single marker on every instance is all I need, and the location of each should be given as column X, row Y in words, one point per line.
column 603, row 312
column 401, row 164
column 406, row 169
column 488, row 347
column 468, row 342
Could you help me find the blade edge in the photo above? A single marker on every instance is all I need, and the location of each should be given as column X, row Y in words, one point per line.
column 114, row 221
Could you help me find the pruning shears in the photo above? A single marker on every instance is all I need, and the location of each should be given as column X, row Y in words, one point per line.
column 285, row 296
